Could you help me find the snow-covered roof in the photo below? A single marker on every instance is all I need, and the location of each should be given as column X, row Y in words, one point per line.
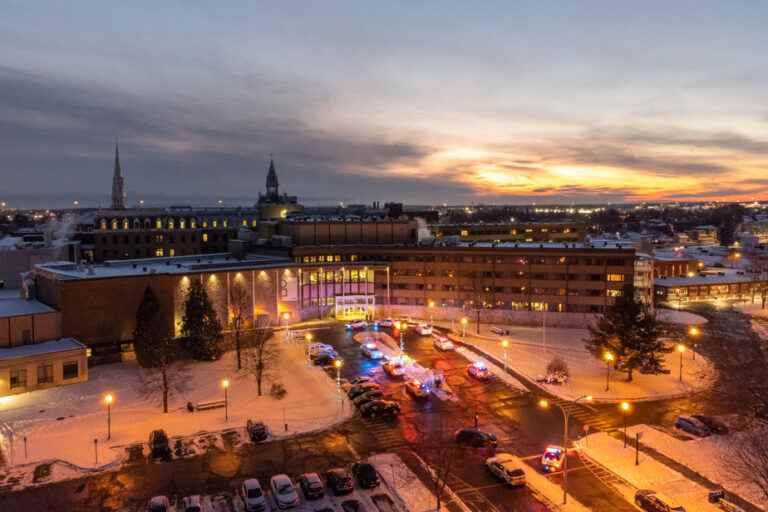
column 17, row 306
column 705, row 279
column 612, row 244
column 37, row 349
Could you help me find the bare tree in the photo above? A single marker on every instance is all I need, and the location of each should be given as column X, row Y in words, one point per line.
column 262, row 356
column 442, row 456
column 167, row 376
column 758, row 271
column 748, row 458
column 477, row 294
column 238, row 306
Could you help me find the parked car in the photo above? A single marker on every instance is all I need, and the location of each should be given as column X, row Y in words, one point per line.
column 442, row 343
column 339, row 481
column 479, row 370
column 284, row 491
column 359, row 389
column 356, row 325
column 365, row 474
column 552, row 459
column 352, row 506
column 692, row 426
column 312, row 486
column 257, row 430
column 507, row 468
column 317, row 348
column 360, row 379
column 159, row 504
column 368, row 396
column 423, row 329
column 500, row 331
column 159, row 446
column 417, row 389
column 652, row 501
column 385, row 323
column 192, row 504
column 394, row 369
column 253, row 496
column 325, row 359
column 475, row 437
column 380, row 409
column 371, row 351
column 713, row 424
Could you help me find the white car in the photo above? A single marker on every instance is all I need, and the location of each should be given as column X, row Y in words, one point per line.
column 443, row 343
column 356, row 325
column 506, row 467
column 253, row 496
column 159, row 504
column 423, row 329
column 371, row 351
column 284, row 491
column 387, row 323
column 192, row 504
column 552, row 458
column 318, row 348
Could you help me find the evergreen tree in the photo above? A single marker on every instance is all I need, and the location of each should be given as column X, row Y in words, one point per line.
column 630, row 332
column 144, row 333
column 200, row 324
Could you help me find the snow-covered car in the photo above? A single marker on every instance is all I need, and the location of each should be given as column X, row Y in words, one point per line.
column 713, row 424
column 499, row 330
column 380, row 409
column 325, row 359
column 479, row 371
column 442, row 343
column 423, row 330
column 159, row 445
column 257, row 430
column 339, row 481
column 312, row 486
column 393, row 368
column 360, row 379
column 192, row 504
column 253, row 496
column 552, row 458
column 356, row 325
column 318, row 348
column 507, row 468
column 385, row 323
column 692, row 426
column 359, row 389
column 365, row 474
column 371, row 351
column 417, row 389
column 368, row 396
column 159, row 504
column 652, row 501
column 284, row 491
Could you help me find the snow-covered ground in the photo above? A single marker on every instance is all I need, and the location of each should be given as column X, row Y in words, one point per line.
column 706, row 456
column 414, row 495
column 530, row 350
column 62, row 423
column 649, row 474
column 674, row 316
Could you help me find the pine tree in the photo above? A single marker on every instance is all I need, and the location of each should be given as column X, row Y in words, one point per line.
column 144, row 333
column 200, row 324
column 630, row 332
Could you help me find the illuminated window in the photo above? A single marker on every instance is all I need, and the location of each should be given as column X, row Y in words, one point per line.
column 126, row 225
column 205, row 223
column 567, row 230
column 158, row 224
column 182, row 223
column 464, row 232
column 514, row 232
column 353, row 257
column 171, row 252
column 253, row 223
column 614, row 293
column 171, row 224
column 205, row 237
column 226, row 223
column 616, row 278
column 245, row 222
column 215, row 223
column 193, row 223
column 337, row 257
column 159, row 252
column 114, row 223
column 103, row 224
column 330, row 257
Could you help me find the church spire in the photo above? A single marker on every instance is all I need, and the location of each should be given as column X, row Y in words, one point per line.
column 118, row 194
column 272, row 183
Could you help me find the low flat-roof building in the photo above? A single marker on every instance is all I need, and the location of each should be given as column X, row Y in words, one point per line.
column 709, row 287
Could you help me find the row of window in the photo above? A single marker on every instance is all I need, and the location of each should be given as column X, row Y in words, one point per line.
column 44, row 374
column 611, row 277
column 520, row 290
column 339, row 276
column 157, row 252
column 172, row 223
column 500, row 304
column 158, row 239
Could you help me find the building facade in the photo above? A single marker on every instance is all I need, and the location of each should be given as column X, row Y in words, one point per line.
column 513, row 232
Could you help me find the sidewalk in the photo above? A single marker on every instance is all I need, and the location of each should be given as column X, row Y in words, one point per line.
column 530, row 350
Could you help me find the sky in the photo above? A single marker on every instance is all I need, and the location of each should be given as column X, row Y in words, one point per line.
column 415, row 101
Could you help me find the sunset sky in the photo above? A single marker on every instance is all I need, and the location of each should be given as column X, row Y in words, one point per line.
column 422, row 102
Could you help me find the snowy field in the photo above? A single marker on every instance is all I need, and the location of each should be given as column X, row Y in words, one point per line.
column 62, row 423
column 532, row 348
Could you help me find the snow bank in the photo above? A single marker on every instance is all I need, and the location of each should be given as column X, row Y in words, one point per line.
column 404, row 483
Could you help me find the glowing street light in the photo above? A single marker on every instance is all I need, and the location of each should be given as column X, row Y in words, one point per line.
column 681, row 349
column 337, row 364
column 544, row 404
column 625, row 407
column 225, row 385
column 464, row 326
column 694, row 332
column 108, row 400
column 505, row 344
column 431, row 306
column 608, row 360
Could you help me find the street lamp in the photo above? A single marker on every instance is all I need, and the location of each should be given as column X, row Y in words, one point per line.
column 505, row 344
column 286, row 317
column 225, row 385
column 694, row 332
column 464, row 326
column 625, row 407
column 544, row 404
column 308, row 337
column 108, row 400
column 681, row 349
column 431, row 305
column 608, row 360
column 337, row 364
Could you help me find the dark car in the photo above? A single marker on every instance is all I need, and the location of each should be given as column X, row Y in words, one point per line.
column 368, row 396
column 365, row 474
column 352, row 506
column 339, row 481
column 692, row 426
column 257, row 430
column 159, row 447
column 652, row 501
column 312, row 486
column 713, row 424
column 359, row 389
column 380, row 409
column 324, row 359
column 475, row 437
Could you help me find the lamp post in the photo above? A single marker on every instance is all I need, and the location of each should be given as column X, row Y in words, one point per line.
column 694, row 333
column 544, row 404
column 681, row 349
column 286, row 317
column 608, row 360
column 464, row 327
column 308, row 337
column 108, row 400
column 403, row 328
column 431, row 306
column 625, row 407
column 337, row 364
column 505, row 344
column 225, row 385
